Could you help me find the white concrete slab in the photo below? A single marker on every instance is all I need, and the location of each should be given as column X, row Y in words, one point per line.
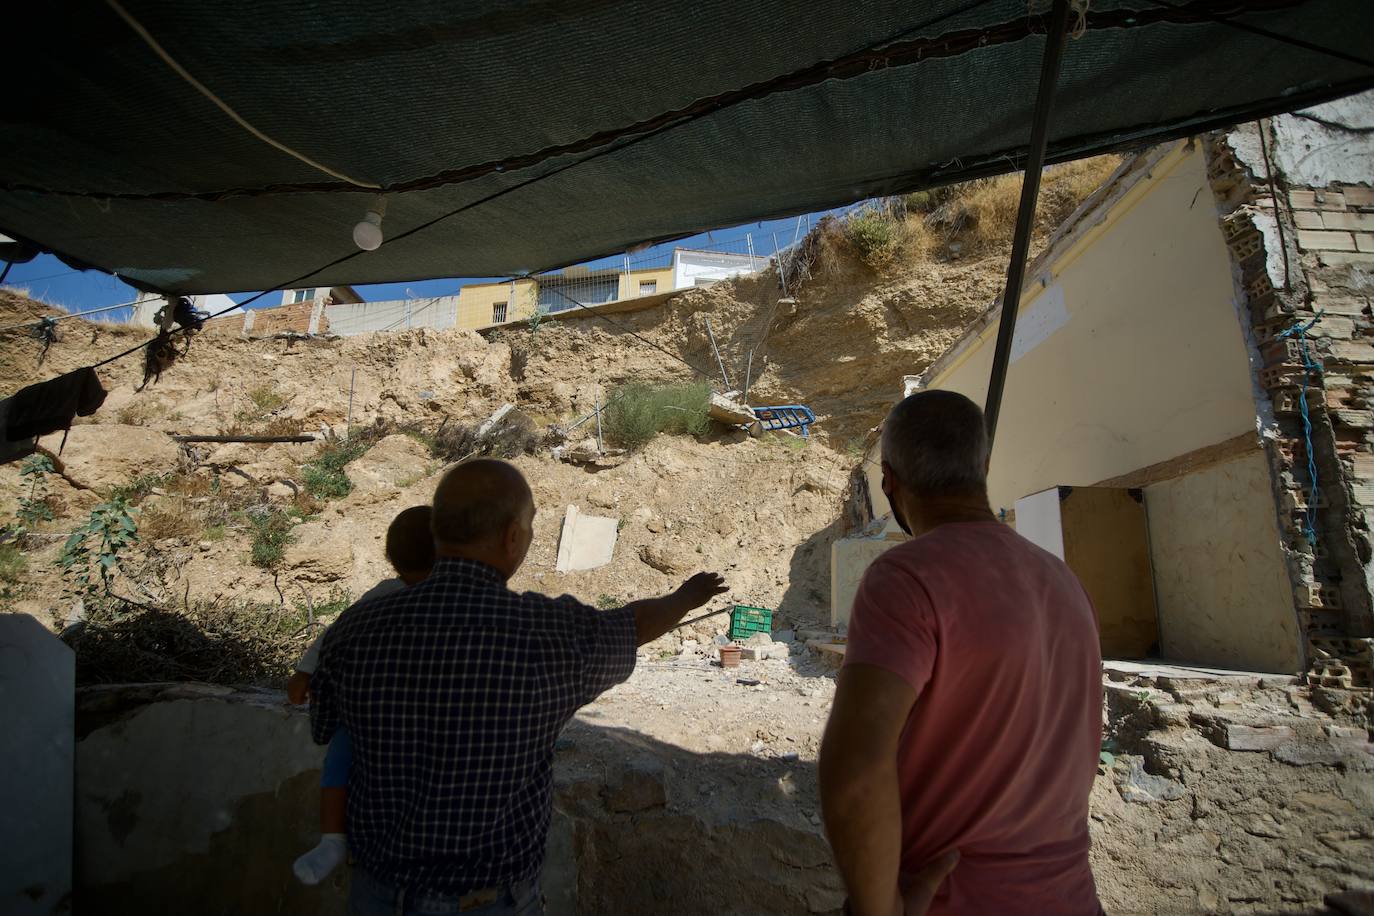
column 587, row 541
column 37, row 744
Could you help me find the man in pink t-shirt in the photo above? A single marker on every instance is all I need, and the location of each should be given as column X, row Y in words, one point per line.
column 967, row 723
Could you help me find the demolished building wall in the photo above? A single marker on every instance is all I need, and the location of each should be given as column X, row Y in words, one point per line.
column 1299, row 219
column 1254, row 566
column 1129, row 369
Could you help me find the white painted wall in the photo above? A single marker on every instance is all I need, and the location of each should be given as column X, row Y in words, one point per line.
column 693, row 268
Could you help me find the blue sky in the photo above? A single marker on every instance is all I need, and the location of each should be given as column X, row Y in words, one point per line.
column 48, row 279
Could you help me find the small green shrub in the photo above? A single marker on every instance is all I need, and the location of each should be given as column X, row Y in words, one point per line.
column 134, row 491
column 638, row 412
column 35, row 507
column 609, row 602
column 12, row 564
column 266, row 398
column 324, row 476
column 98, row 542
column 271, row 531
column 875, row 235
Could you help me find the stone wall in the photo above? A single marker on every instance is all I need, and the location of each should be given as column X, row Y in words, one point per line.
column 194, row 798
column 1303, row 246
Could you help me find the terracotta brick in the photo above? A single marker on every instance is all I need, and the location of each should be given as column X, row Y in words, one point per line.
column 1314, row 240
column 1347, row 258
column 1355, row 419
column 1308, row 219
column 1361, row 222
column 1333, row 328
column 1358, row 197
column 1340, row 305
column 1317, row 200
column 1352, row 351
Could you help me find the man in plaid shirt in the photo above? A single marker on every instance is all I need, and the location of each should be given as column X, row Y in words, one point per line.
column 454, row 692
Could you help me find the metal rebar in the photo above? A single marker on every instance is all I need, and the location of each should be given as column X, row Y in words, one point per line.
column 255, row 439
column 348, row 422
column 1025, row 217
column 719, row 362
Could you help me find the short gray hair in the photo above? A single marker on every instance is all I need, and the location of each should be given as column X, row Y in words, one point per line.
column 936, row 442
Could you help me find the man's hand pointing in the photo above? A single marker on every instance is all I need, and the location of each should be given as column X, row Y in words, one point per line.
column 700, row 589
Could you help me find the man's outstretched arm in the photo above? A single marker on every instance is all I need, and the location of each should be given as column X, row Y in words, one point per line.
column 656, row 616
column 860, row 797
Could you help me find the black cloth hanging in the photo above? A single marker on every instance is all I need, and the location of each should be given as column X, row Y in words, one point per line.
column 52, row 405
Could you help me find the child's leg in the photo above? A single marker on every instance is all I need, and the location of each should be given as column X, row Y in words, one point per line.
column 315, row 865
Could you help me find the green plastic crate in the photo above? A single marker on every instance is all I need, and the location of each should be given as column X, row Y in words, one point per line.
column 745, row 621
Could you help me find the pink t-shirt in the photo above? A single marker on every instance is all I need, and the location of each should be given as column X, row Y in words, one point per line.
column 999, row 640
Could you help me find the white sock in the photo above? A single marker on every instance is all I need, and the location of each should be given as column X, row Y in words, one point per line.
column 315, row 865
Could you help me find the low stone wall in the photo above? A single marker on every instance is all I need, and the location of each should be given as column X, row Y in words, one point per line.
column 196, row 799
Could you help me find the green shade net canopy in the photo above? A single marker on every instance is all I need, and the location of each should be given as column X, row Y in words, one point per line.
column 518, row 136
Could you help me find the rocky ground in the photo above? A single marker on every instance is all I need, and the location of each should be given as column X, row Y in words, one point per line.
column 1216, row 794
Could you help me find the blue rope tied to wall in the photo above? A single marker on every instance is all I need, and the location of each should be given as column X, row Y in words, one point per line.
column 1309, row 368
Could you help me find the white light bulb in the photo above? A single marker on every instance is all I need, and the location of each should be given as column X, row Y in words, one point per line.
column 367, row 235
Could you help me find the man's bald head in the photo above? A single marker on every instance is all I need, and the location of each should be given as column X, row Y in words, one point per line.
column 477, row 502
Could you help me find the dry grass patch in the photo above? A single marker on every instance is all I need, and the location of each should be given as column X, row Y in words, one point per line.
column 173, row 517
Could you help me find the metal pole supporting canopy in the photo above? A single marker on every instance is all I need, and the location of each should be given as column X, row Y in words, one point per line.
column 1025, row 217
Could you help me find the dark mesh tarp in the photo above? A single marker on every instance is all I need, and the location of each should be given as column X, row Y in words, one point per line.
column 676, row 117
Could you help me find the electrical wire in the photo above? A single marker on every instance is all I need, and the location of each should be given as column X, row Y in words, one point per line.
column 39, row 321
column 295, row 281
column 223, row 106
column 61, row 273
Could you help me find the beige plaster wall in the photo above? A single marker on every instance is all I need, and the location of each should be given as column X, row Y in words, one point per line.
column 1222, row 589
column 1129, row 355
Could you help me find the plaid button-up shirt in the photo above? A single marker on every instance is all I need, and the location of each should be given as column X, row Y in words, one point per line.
column 453, row 692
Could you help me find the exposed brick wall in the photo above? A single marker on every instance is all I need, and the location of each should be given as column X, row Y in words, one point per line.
column 1328, row 234
column 293, row 318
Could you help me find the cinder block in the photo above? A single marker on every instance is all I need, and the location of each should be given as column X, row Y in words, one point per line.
column 1308, row 219
column 1282, row 350
column 1317, row 595
column 1272, row 377
column 1355, row 222
column 1330, row 672
column 1320, row 622
column 1288, row 401
column 1322, row 240
column 1296, row 500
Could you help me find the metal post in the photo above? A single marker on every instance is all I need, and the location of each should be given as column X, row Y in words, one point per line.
column 407, row 313
column 719, row 362
column 749, row 239
column 348, row 423
column 1025, row 217
column 600, row 446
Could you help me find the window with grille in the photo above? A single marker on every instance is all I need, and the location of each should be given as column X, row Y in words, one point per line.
column 648, row 287
column 498, row 312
